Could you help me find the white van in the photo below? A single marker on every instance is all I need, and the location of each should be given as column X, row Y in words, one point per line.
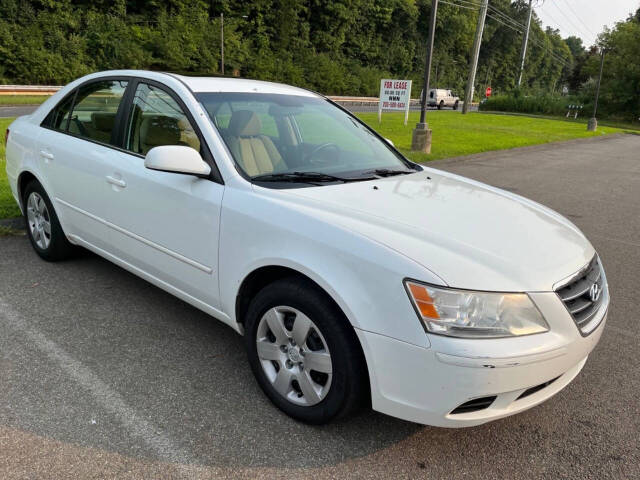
column 439, row 97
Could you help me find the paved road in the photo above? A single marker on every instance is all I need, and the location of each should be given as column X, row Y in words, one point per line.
column 103, row 375
column 9, row 112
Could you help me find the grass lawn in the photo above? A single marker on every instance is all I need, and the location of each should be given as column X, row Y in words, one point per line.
column 8, row 206
column 22, row 99
column 455, row 134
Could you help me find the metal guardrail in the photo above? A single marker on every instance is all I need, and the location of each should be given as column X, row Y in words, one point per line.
column 29, row 89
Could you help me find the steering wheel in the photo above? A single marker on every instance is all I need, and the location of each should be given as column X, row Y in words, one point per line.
column 319, row 148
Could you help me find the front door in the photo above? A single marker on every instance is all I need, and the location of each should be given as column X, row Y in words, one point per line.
column 165, row 224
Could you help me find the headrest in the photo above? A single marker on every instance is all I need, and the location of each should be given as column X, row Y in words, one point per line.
column 102, row 121
column 244, row 123
column 160, row 130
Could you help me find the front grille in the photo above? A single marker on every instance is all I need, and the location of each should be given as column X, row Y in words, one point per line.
column 474, row 405
column 577, row 295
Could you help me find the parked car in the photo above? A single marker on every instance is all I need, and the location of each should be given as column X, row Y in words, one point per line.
column 439, row 97
column 354, row 275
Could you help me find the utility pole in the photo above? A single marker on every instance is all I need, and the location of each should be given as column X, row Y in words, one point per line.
column 468, row 94
column 421, row 139
column 593, row 123
column 525, row 39
column 222, row 43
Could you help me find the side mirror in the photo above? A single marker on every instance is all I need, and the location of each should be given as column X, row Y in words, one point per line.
column 389, row 142
column 176, row 159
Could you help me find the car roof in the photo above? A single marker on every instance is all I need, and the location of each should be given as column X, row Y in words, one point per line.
column 226, row 84
column 211, row 84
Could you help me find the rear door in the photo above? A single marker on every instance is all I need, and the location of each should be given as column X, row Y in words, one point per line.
column 76, row 146
column 164, row 224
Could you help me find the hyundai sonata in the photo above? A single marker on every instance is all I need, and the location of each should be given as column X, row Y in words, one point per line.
column 354, row 275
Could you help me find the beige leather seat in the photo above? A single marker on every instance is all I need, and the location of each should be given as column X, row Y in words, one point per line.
column 102, row 124
column 158, row 130
column 255, row 152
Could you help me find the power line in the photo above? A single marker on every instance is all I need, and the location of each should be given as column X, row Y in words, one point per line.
column 509, row 22
column 459, row 6
column 578, row 17
column 506, row 17
column 554, row 55
column 574, row 26
column 508, row 25
column 470, row 2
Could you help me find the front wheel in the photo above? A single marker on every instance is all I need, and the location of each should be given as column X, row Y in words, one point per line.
column 304, row 354
column 455, row 105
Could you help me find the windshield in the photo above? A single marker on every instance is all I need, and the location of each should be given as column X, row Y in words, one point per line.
column 276, row 137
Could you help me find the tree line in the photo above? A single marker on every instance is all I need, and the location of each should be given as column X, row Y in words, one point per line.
column 331, row 46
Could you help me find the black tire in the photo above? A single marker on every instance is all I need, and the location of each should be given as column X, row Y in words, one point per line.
column 441, row 104
column 59, row 247
column 455, row 105
column 349, row 385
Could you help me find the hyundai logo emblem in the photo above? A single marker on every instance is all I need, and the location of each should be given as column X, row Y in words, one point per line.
column 594, row 292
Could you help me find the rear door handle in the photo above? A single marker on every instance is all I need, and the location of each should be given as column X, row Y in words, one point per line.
column 116, row 181
column 47, row 155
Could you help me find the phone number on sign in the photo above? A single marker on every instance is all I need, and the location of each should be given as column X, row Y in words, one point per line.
column 394, row 104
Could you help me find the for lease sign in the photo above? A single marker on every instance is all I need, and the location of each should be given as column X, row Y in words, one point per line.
column 395, row 94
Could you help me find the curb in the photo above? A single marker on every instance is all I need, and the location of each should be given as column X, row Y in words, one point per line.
column 16, row 223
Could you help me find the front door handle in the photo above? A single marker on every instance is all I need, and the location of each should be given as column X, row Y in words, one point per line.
column 46, row 155
column 116, row 181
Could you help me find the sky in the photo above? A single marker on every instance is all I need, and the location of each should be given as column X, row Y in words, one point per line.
column 583, row 18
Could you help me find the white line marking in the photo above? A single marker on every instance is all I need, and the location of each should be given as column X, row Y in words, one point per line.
column 109, row 399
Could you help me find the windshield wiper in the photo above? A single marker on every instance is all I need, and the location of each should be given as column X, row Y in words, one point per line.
column 307, row 177
column 387, row 172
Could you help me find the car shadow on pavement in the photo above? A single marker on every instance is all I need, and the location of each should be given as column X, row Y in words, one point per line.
column 177, row 368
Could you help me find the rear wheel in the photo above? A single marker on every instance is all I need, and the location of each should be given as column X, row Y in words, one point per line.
column 304, row 354
column 441, row 104
column 43, row 228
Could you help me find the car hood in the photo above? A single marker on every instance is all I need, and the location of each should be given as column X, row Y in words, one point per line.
column 469, row 234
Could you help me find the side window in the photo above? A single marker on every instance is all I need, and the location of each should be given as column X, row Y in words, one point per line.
column 59, row 116
column 156, row 119
column 95, row 108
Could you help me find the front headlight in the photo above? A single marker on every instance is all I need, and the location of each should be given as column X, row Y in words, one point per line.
column 469, row 314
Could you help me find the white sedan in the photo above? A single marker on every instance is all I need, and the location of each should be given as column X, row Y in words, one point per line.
column 356, row 276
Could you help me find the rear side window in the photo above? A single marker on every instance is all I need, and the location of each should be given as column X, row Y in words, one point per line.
column 58, row 118
column 156, row 119
column 95, row 108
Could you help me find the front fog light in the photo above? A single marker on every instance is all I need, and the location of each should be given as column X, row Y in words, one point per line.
column 469, row 314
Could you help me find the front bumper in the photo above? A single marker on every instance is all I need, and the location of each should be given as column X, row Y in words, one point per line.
column 425, row 385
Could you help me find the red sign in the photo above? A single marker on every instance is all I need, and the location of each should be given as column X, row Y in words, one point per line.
column 487, row 92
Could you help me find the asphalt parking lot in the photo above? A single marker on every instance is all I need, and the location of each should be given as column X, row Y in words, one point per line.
column 104, row 375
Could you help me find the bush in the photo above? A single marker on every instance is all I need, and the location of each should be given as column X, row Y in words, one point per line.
column 541, row 104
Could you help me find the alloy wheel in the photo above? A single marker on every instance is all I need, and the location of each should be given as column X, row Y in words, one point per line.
column 39, row 220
